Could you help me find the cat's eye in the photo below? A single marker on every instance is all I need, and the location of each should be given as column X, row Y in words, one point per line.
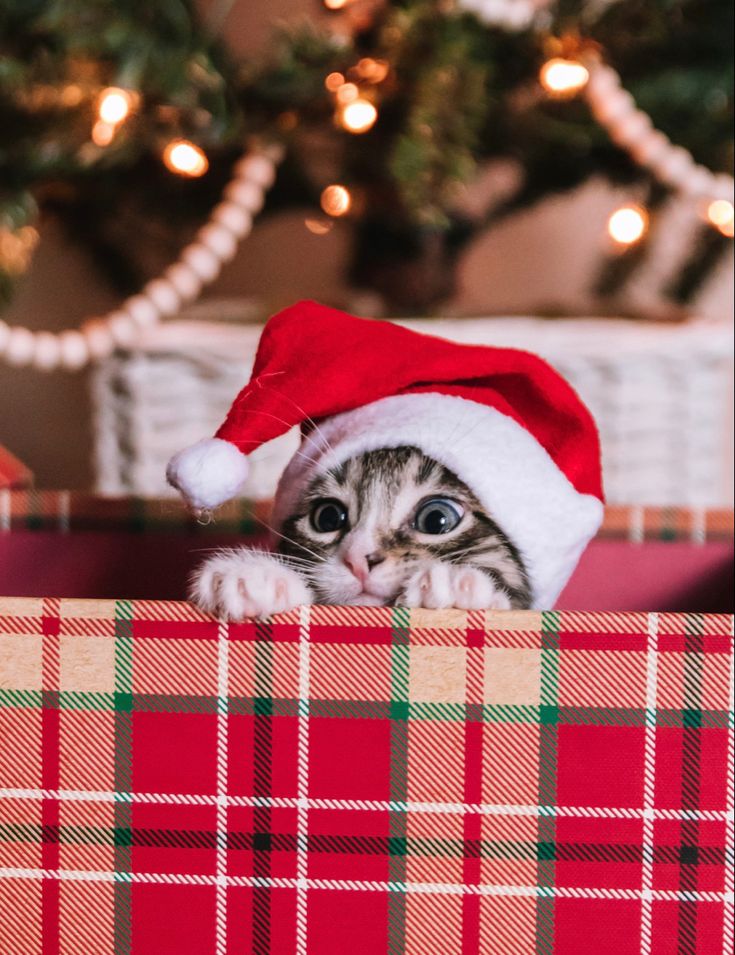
column 328, row 516
column 438, row 516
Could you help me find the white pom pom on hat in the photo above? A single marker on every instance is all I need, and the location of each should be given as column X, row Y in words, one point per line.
column 208, row 473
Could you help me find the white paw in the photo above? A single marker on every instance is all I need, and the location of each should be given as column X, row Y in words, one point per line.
column 445, row 585
column 241, row 583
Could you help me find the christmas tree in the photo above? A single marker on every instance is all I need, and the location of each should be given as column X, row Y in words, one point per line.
column 386, row 112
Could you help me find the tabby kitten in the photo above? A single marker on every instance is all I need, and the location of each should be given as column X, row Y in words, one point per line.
column 388, row 527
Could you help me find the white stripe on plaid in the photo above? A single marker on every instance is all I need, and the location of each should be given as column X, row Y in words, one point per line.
column 64, row 505
column 699, row 525
column 302, row 851
column 649, row 782
column 728, row 918
column 357, row 885
column 278, row 802
column 222, row 740
column 636, row 525
column 4, row 509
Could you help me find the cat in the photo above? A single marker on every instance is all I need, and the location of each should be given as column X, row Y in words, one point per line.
column 390, row 527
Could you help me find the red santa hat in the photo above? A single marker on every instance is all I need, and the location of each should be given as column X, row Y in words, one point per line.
column 507, row 424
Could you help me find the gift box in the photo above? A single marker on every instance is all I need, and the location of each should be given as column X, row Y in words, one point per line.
column 13, row 473
column 374, row 779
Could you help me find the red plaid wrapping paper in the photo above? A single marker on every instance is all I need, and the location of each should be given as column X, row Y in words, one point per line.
column 364, row 779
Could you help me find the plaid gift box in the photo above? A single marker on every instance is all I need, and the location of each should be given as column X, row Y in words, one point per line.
column 13, row 473
column 73, row 544
column 366, row 779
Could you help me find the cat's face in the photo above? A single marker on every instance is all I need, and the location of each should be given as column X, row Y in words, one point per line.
column 368, row 525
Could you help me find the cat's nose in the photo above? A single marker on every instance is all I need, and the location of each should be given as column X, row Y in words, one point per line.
column 357, row 565
column 361, row 564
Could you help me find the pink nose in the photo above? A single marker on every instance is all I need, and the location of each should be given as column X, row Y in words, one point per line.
column 358, row 566
column 361, row 564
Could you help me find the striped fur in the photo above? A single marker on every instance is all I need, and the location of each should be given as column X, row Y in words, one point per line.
column 382, row 490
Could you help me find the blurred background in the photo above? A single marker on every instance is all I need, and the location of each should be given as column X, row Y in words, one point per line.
column 474, row 163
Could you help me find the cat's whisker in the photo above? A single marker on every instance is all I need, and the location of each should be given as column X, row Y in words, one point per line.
column 286, row 424
column 305, row 417
column 381, row 493
column 290, row 540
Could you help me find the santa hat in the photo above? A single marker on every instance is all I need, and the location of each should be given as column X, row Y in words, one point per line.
column 502, row 420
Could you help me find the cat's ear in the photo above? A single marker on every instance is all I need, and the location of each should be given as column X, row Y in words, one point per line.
column 208, row 473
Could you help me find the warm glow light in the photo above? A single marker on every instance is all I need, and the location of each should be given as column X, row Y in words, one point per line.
column 114, row 105
column 336, row 200
column 318, row 226
column 563, row 77
column 16, row 248
column 374, row 71
column 722, row 215
column 359, row 116
column 628, row 225
column 102, row 133
column 184, row 158
column 335, row 4
column 71, row 95
column 334, row 81
column 347, row 93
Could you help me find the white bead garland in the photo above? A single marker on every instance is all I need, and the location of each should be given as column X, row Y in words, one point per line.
column 74, row 350
column 122, row 328
column 202, row 261
column 20, row 346
column 163, row 295
column 198, row 265
column 632, row 130
column 614, row 108
column 47, row 351
column 233, row 217
column 184, row 280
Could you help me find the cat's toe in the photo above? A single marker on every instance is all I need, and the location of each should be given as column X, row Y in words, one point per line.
column 442, row 585
column 430, row 587
column 242, row 586
column 475, row 590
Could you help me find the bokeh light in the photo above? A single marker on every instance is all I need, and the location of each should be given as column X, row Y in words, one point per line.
column 563, row 77
column 185, row 158
column 336, row 200
column 359, row 116
column 628, row 225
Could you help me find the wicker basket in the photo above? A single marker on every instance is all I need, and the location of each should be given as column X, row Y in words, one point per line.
column 661, row 395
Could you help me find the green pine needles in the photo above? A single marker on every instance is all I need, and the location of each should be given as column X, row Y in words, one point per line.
column 450, row 92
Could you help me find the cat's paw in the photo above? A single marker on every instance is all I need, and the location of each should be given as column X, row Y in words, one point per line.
column 240, row 583
column 445, row 585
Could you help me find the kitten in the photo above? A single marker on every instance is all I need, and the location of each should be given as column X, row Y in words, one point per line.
column 390, row 527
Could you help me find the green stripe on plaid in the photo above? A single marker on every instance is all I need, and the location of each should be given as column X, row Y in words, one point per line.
column 511, row 714
column 412, row 847
column 123, row 771
column 398, row 826
column 691, row 745
column 548, row 742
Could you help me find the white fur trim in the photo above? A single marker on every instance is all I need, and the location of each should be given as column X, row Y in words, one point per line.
column 515, row 479
column 208, row 473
